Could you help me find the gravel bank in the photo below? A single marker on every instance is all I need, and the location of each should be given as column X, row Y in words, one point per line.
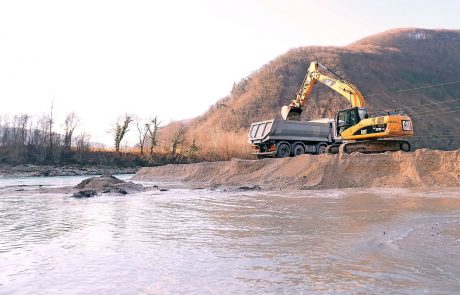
column 422, row 168
column 34, row 170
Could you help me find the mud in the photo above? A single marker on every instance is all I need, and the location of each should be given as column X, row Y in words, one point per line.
column 108, row 183
column 105, row 184
column 88, row 187
column 423, row 168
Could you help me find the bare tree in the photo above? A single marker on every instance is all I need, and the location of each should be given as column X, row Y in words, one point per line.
column 82, row 142
column 42, row 137
column 153, row 126
column 50, row 124
column 143, row 130
column 177, row 139
column 71, row 122
column 120, row 129
column 23, row 122
column 5, row 131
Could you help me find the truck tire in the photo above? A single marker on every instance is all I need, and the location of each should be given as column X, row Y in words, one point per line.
column 298, row 150
column 284, row 151
column 322, row 149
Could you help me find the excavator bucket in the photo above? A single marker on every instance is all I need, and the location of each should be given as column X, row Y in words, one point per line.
column 290, row 113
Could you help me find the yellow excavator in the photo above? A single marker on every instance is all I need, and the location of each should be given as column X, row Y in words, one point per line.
column 354, row 129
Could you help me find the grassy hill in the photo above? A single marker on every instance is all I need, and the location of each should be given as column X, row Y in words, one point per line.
column 385, row 62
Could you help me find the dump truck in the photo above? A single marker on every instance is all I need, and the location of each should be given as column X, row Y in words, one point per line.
column 287, row 138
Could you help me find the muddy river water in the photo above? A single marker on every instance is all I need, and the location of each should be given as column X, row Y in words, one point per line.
column 223, row 242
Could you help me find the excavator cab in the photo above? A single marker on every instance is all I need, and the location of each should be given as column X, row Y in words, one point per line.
column 349, row 117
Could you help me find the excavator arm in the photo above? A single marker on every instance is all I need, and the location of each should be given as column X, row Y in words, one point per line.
column 345, row 88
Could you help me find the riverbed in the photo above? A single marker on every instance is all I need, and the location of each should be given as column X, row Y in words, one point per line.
column 211, row 241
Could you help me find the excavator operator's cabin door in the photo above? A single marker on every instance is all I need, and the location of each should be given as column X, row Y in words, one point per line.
column 346, row 118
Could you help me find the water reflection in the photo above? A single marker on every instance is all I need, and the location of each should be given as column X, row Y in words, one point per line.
column 203, row 241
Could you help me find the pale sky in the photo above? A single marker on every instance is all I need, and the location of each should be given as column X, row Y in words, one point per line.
column 102, row 58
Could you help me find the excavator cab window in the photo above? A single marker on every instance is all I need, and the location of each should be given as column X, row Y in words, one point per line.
column 363, row 114
column 347, row 118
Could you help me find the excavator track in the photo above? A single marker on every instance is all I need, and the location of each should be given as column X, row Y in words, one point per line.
column 333, row 149
column 370, row 146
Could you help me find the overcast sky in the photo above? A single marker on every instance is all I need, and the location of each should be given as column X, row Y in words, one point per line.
column 102, row 58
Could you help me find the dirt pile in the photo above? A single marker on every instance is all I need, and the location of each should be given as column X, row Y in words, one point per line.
column 422, row 168
column 106, row 184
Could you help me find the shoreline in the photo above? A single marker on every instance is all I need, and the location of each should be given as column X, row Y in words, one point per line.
column 28, row 170
column 420, row 169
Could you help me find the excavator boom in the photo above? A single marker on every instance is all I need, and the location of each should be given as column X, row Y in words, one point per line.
column 338, row 84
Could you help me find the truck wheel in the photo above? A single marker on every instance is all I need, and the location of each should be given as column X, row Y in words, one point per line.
column 332, row 149
column 298, row 150
column 322, row 149
column 284, row 151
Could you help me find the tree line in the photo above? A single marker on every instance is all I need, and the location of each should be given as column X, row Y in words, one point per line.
column 25, row 139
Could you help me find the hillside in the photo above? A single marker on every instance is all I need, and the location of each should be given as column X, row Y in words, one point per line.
column 385, row 62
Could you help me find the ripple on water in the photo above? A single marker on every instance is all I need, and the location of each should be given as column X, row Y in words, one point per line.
column 203, row 241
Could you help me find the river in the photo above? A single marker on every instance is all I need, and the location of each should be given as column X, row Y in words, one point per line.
column 225, row 242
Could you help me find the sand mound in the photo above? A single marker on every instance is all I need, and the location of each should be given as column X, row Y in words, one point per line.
column 108, row 184
column 422, row 168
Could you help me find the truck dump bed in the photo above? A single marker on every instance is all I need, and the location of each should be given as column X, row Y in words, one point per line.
column 278, row 129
